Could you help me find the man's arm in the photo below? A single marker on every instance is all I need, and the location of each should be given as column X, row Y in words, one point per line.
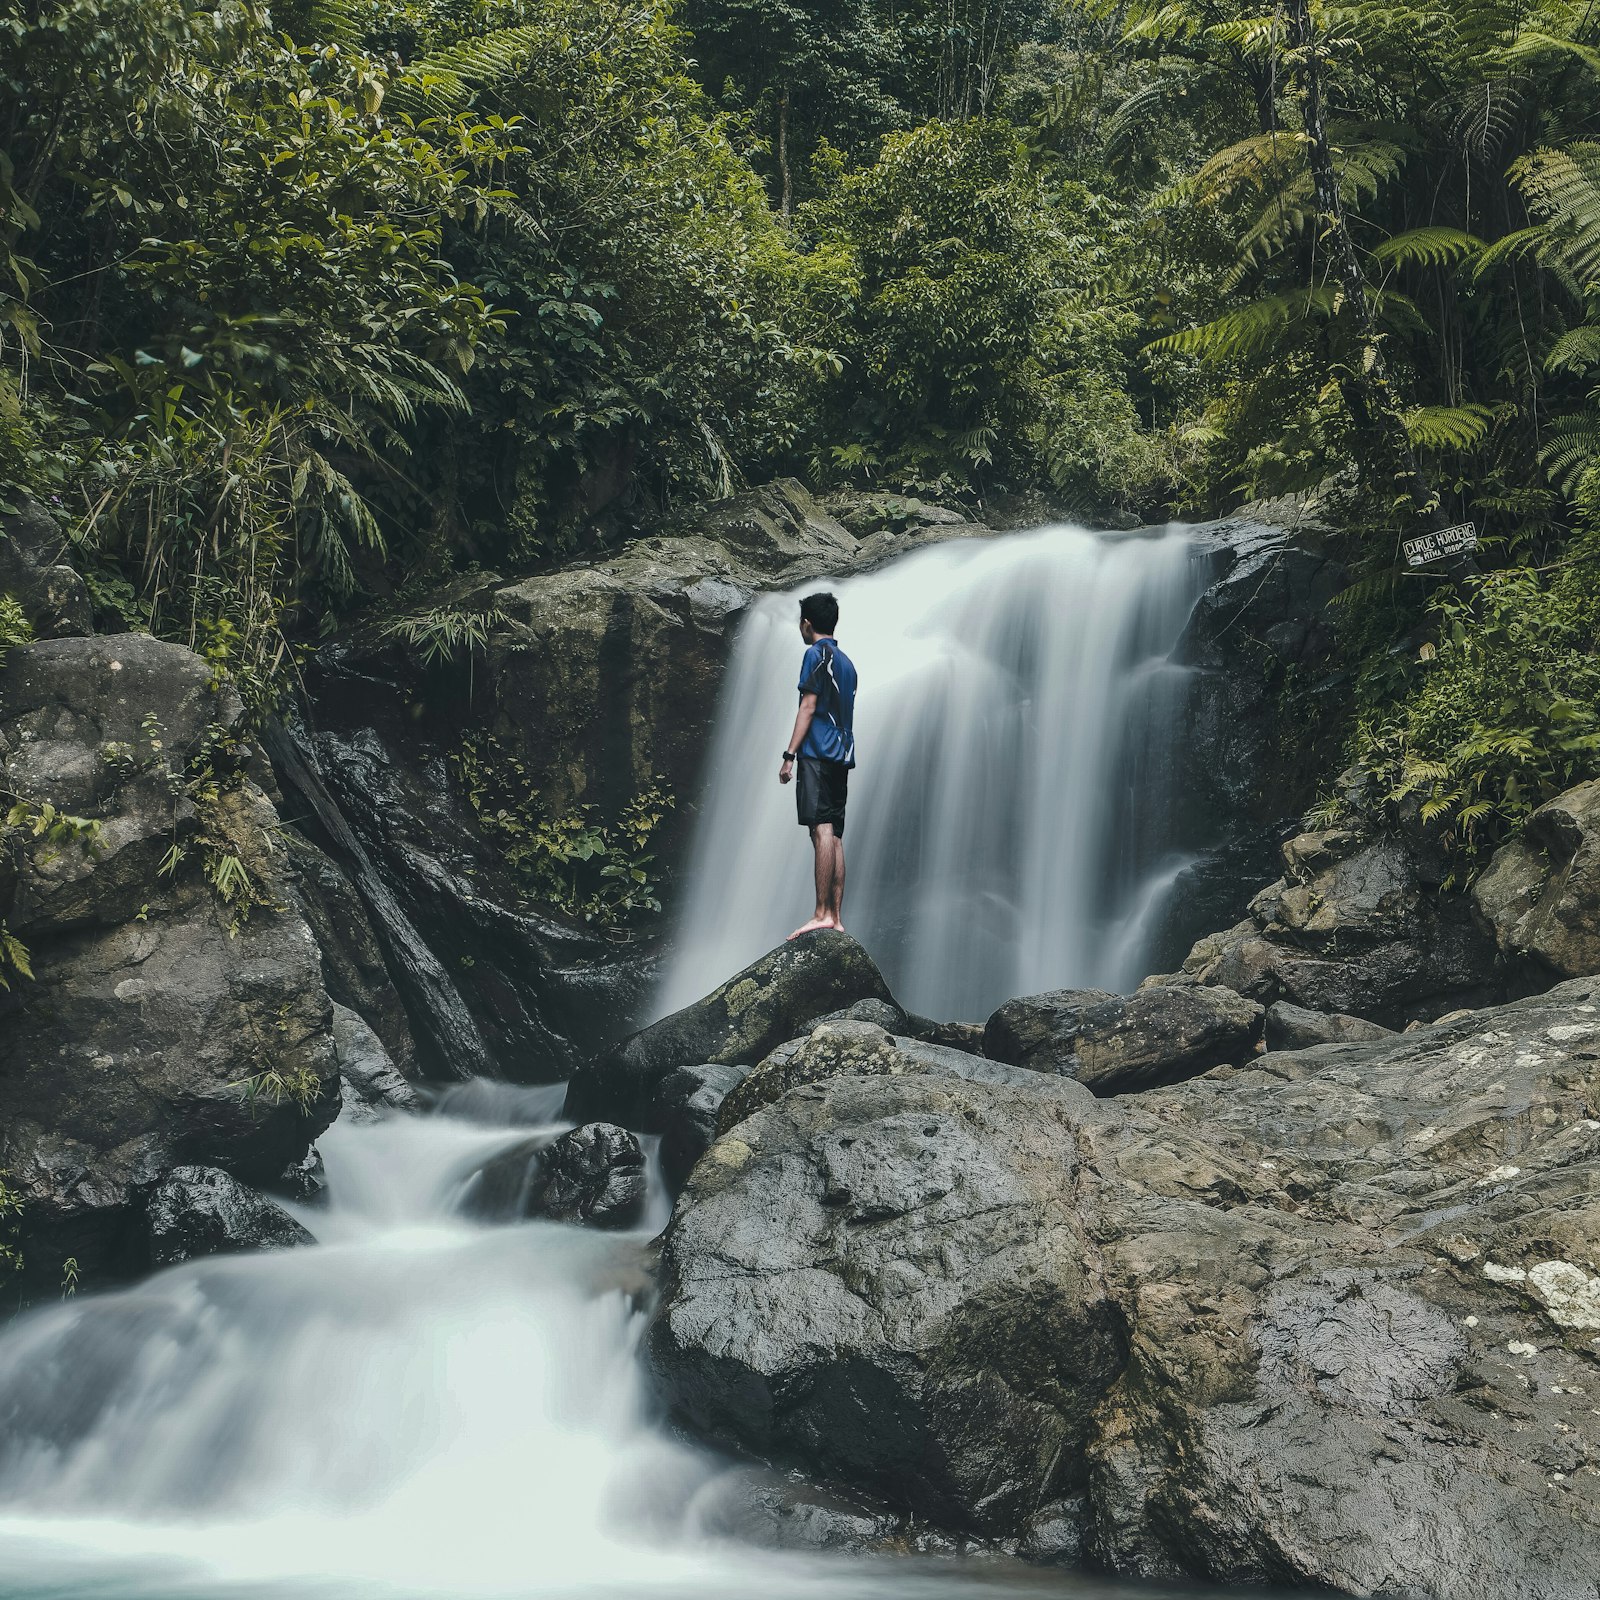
column 802, row 725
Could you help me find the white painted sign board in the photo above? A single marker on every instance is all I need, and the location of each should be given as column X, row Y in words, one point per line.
column 1440, row 544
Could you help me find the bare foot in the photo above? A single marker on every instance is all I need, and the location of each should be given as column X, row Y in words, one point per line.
column 813, row 926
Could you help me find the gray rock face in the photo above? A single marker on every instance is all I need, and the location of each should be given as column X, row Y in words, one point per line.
column 686, row 1107
column 853, row 1050
column 370, row 1080
column 201, row 1211
column 858, row 1279
column 34, row 569
column 353, row 963
column 1330, row 1318
column 162, row 1028
column 742, row 1022
column 1292, row 1027
column 1540, row 895
column 1114, row 1045
column 594, row 1174
column 1354, row 926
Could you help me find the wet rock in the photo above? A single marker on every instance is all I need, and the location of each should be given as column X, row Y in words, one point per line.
column 353, row 964
column 871, row 1277
column 492, row 985
column 371, row 1081
column 201, row 1211
column 164, row 1026
column 881, row 1013
column 1116, row 1044
column 776, row 1511
column 594, row 1174
column 34, row 569
column 1355, row 926
column 742, row 1022
column 1291, row 1027
column 1325, row 1319
column 685, row 1108
column 1540, row 895
column 305, row 1180
column 850, row 1049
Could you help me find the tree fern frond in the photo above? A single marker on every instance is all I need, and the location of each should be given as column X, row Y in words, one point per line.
column 1251, row 162
column 1428, row 247
column 1534, row 241
column 1576, row 350
column 446, row 80
column 1572, row 447
column 341, row 22
column 1448, row 427
column 1249, row 330
column 1534, row 43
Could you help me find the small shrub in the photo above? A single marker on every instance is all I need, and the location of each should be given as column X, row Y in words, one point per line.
column 597, row 872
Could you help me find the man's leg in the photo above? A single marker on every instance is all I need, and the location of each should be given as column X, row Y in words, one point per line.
column 824, row 846
column 836, row 897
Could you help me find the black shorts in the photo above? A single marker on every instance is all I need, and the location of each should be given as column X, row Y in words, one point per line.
column 820, row 791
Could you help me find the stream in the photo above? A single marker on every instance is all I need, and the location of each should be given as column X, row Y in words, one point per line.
column 419, row 1405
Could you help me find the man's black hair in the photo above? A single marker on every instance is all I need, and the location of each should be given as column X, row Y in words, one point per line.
column 822, row 612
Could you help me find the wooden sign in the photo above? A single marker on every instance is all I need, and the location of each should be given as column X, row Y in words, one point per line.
column 1440, row 545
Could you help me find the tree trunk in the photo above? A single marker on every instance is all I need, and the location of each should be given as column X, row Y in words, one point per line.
column 785, row 179
column 1368, row 390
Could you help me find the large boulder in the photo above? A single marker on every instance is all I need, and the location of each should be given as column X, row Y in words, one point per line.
column 177, row 1014
column 201, row 1211
column 1327, row 1319
column 1358, row 924
column 742, row 1021
column 874, row 1277
column 1115, row 1044
column 1540, row 895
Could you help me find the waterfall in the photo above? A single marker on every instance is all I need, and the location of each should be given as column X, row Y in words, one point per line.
column 1014, row 820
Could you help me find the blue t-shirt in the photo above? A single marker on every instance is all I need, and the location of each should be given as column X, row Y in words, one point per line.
column 829, row 674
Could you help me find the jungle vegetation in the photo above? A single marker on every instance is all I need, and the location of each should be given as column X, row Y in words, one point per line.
column 304, row 306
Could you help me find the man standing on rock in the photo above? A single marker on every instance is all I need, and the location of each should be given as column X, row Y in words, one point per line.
column 824, row 746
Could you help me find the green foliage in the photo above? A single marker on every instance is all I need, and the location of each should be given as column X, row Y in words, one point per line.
column 980, row 345
column 299, row 1087
column 594, row 871
column 441, row 633
column 14, row 626
column 14, row 958
column 1504, row 711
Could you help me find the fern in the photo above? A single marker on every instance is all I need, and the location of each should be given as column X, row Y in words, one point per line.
column 1428, row 247
column 1448, row 427
column 1576, row 350
column 1250, row 330
column 446, row 81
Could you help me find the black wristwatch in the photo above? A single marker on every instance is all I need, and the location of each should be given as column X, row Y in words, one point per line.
column 788, row 755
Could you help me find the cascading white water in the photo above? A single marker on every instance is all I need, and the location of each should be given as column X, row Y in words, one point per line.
column 1011, row 823
column 418, row 1406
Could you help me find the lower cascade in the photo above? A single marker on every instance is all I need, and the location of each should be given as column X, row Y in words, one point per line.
column 1014, row 822
column 419, row 1405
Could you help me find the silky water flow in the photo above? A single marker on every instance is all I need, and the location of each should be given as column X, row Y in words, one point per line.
column 1015, row 822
